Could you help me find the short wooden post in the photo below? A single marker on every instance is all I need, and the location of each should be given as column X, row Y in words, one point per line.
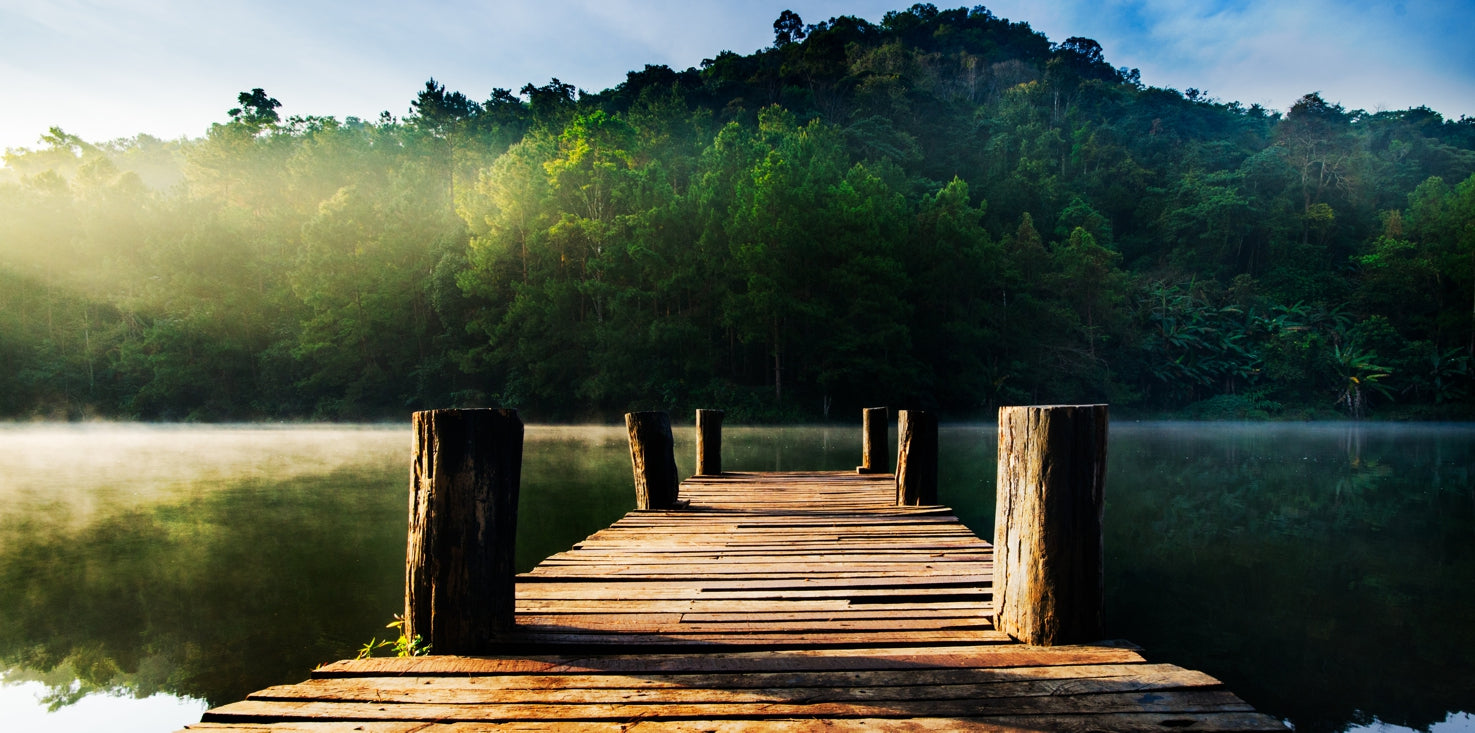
column 916, row 458
column 709, row 442
column 1047, row 524
column 653, row 458
column 873, row 441
column 459, row 560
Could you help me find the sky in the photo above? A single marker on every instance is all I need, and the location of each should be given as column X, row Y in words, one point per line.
column 106, row 69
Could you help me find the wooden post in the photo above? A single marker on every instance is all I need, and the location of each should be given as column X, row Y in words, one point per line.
column 916, row 458
column 653, row 457
column 873, row 441
column 459, row 560
column 709, row 442
column 1047, row 524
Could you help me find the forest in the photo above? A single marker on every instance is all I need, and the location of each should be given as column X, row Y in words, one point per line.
column 944, row 210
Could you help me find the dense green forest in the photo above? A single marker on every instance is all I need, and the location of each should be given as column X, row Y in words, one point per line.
column 944, row 210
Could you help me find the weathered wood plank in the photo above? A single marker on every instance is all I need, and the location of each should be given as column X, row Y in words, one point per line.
column 854, row 613
column 756, row 581
column 716, row 590
column 867, row 658
column 748, row 607
column 1104, row 723
column 663, row 638
column 467, row 691
column 743, row 680
column 1235, row 722
column 898, row 571
column 742, row 623
column 863, row 551
column 1164, row 701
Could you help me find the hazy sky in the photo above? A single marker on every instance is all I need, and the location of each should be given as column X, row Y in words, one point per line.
column 104, row 69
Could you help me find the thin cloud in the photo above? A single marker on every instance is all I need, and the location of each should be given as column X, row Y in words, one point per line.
column 112, row 68
column 1364, row 55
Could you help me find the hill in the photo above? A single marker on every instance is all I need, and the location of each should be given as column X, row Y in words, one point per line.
column 944, row 210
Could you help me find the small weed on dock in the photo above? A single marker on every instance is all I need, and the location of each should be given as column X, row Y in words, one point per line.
column 403, row 646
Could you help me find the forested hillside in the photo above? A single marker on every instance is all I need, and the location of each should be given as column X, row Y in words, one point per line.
column 944, row 210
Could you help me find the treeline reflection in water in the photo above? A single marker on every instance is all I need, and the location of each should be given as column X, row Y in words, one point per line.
column 1322, row 571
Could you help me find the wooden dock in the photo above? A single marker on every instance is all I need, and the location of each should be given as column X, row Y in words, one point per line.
column 785, row 601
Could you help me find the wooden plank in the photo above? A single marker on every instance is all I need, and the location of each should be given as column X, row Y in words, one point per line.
column 896, row 573
column 1233, row 722
column 589, row 641
column 709, row 556
column 865, row 658
column 742, row 623
column 849, row 614
column 877, row 552
column 742, row 680
column 730, row 590
column 352, row 726
column 940, row 528
column 808, row 518
column 768, row 548
column 1164, row 701
column 774, row 579
column 749, row 606
column 653, row 542
column 1106, row 723
column 779, row 539
column 467, row 691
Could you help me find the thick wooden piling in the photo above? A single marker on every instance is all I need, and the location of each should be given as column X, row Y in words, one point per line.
column 916, row 458
column 653, row 459
column 459, row 559
column 1047, row 523
column 873, row 441
column 709, row 442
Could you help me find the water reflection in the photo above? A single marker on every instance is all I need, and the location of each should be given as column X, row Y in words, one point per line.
column 1321, row 571
column 25, row 708
column 197, row 562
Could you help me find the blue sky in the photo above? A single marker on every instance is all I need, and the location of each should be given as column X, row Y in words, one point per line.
column 104, row 69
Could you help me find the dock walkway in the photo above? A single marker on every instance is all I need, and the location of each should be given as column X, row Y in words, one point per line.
column 774, row 602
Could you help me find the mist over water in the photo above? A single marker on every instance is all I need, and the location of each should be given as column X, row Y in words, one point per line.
column 1320, row 570
column 85, row 465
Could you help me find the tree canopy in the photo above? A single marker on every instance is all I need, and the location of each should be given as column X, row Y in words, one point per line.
column 942, row 210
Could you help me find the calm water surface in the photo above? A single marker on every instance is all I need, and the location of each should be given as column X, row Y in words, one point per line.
column 1324, row 571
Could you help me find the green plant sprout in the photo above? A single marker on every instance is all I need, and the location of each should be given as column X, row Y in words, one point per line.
column 403, row 646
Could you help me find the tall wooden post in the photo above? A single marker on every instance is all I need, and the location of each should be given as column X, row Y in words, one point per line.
column 459, row 560
column 709, row 442
column 1047, row 524
column 916, row 458
column 873, row 441
column 653, row 458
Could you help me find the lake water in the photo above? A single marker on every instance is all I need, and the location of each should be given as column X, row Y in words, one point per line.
column 1325, row 572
